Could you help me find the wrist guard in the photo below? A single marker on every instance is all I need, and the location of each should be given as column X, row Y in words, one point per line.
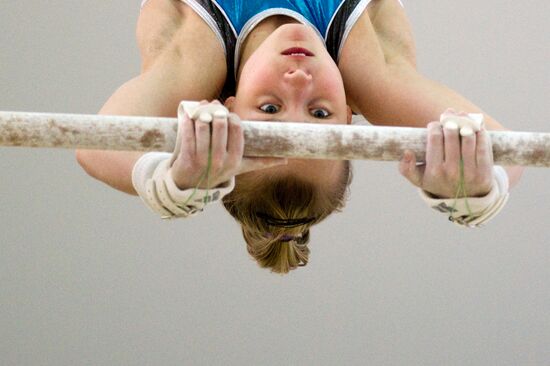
column 474, row 211
column 152, row 174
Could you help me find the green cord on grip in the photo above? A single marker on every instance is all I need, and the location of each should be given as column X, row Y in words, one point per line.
column 461, row 189
column 207, row 173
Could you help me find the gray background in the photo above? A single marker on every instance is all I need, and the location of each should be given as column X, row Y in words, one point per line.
column 88, row 276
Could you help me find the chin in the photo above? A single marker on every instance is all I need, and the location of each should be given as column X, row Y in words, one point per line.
column 298, row 32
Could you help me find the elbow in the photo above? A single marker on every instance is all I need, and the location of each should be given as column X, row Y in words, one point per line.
column 82, row 157
column 92, row 161
column 85, row 159
column 108, row 168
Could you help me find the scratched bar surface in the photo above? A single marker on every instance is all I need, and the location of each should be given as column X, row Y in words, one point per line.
column 297, row 140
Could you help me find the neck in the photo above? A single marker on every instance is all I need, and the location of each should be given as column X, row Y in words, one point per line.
column 259, row 34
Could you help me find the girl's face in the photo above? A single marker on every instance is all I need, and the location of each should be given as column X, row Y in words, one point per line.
column 291, row 77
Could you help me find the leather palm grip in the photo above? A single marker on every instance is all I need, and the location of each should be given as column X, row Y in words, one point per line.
column 474, row 211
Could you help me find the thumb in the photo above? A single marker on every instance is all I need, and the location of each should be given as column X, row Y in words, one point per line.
column 409, row 169
column 250, row 164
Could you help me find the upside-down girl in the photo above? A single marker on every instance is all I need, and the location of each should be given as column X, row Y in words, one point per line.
column 290, row 60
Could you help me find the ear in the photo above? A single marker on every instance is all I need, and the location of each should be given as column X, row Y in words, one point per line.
column 229, row 102
column 350, row 115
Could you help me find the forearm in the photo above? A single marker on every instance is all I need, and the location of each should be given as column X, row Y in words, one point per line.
column 410, row 99
column 115, row 167
column 156, row 92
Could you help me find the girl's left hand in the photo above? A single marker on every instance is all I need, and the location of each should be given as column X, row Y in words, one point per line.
column 224, row 137
column 440, row 174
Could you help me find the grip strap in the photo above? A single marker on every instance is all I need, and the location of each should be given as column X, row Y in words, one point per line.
column 152, row 173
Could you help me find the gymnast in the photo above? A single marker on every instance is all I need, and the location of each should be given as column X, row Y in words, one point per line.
column 315, row 61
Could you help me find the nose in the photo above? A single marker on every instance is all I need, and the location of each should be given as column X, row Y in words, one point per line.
column 298, row 78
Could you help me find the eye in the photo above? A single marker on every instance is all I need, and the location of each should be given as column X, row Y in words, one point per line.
column 320, row 113
column 269, row 108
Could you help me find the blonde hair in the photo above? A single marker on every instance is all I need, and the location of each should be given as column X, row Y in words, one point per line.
column 277, row 212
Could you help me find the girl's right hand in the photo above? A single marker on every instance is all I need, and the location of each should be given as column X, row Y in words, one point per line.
column 226, row 137
column 440, row 175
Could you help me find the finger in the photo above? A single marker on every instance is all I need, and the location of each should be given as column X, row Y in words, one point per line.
column 452, row 144
column 188, row 145
column 450, row 111
column 447, row 113
column 251, row 164
column 202, row 135
column 434, row 149
column 235, row 140
column 410, row 170
column 219, row 138
column 484, row 150
column 204, row 117
column 469, row 153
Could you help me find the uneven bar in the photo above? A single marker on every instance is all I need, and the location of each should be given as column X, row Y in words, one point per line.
column 298, row 140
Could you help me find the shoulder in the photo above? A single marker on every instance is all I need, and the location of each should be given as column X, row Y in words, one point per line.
column 380, row 39
column 392, row 27
column 164, row 24
column 383, row 32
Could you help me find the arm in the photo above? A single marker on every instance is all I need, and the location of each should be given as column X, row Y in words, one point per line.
column 378, row 65
column 170, row 73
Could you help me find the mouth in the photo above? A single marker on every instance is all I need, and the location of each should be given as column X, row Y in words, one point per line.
column 297, row 52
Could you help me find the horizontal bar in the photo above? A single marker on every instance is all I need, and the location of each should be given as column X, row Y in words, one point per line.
column 276, row 139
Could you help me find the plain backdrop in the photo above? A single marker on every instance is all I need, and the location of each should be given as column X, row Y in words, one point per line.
column 88, row 276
